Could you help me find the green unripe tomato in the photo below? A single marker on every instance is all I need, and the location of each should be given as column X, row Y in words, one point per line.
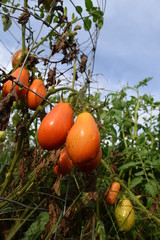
column 125, row 215
column 2, row 136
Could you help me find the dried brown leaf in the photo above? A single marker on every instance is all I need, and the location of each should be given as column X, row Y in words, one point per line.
column 5, row 108
column 57, row 185
column 24, row 17
column 83, row 63
column 54, row 213
column 51, row 77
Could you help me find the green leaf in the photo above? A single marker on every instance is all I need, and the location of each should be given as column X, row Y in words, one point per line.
column 139, row 173
column 156, row 164
column 89, row 5
column 149, row 202
column 143, row 82
column 136, row 181
column 4, row 1
column 100, row 23
column 65, row 11
column 6, row 22
column 16, row 5
column 87, row 24
column 5, row 9
column 117, row 114
column 103, row 115
column 79, row 9
column 127, row 165
column 37, row 227
column 151, row 188
column 16, row 118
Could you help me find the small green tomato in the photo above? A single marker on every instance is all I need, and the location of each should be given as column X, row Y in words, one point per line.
column 125, row 215
column 2, row 136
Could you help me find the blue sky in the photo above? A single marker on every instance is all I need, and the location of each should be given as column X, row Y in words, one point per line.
column 128, row 45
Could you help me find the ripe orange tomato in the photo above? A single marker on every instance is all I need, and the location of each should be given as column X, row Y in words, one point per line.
column 90, row 166
column 83, row 140
column 24, row 79
column 125, row 215
column 111, row 194
column 16, row 57
column 55, row 126
column 65, row 164
column 33, row 100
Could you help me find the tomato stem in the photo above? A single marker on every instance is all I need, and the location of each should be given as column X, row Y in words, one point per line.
column 136, row 116
column 74, row 73
column 24, row 29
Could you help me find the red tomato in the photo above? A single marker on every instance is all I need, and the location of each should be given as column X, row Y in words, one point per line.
column 65, row 164
column 112, row 193
column 90, row 166
column 83, row 140
column 16, row 57
column 24, row 79
column 55, row 126
column 33, row 100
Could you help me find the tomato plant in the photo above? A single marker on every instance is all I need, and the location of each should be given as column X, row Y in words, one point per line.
column 115, row 137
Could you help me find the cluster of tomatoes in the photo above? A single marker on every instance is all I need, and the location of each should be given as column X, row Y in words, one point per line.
column 124, row 212
column 79, row 140
column 34, row 93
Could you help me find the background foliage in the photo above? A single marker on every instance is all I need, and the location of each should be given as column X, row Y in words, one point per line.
column 36, row 204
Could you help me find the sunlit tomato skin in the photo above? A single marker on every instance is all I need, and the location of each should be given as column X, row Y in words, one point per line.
column 83, row 140
column 34, row 100
column 64, row 165
column 111, row 194
column 125, row 215
column 16, row 57
column 55, row 126
column 90, row 166
column 24, row 79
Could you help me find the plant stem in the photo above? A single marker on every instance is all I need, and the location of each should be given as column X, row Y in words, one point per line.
column 124, row 138
column 74, row 74
column 136, row 116
column 24, row 29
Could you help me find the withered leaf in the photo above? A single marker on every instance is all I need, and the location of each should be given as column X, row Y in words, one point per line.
column 5, row 108
column 57, row 185
column 23, row 18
